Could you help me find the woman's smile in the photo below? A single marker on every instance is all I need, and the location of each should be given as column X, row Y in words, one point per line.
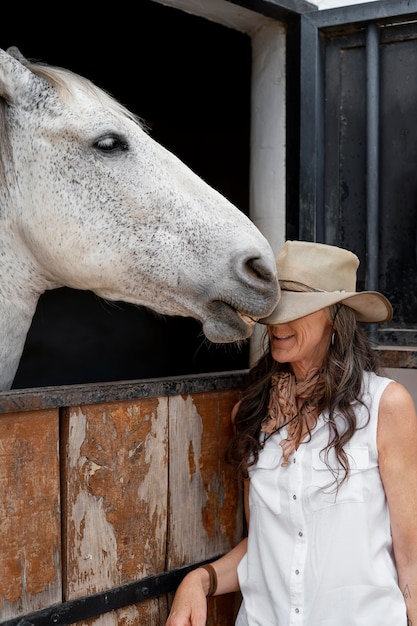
column 303, row 343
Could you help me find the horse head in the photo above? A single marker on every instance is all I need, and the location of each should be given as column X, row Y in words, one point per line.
column 89, row 200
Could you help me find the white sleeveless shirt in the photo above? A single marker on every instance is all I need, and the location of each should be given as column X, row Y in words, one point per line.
column 317, row 558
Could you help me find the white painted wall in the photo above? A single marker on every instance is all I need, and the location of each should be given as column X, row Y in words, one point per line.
column 337, row 4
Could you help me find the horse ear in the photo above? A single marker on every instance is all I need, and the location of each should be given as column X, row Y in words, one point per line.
column 15, row 53
column 14, row 76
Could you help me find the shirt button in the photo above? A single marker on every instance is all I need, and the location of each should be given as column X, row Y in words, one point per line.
column 294, row 497
column 300, row 534
column 297, row 571
column 297, row 610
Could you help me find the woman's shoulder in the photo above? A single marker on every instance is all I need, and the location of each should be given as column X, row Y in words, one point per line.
column 372, row 382
column 391, row 390
column 397, row 423
column 396, row 397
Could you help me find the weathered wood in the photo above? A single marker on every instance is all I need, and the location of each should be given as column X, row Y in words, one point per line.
column 138, row 486
column 204, row 497
column 116, row 468
column 30, row 525
column 200, row 481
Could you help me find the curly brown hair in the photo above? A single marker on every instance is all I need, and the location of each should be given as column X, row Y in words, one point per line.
column 349, row 355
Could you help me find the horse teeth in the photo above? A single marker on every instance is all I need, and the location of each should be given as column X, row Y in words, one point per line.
column 248, row 319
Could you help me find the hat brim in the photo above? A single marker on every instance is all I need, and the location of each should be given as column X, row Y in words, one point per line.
column 369, row 306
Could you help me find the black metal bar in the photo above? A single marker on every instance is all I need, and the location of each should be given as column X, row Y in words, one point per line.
column 361, row 13
column 106, row 601
column 283, row 10
column 319, row 234
column 372, row 155
column 310, row 127
column 76, row 395
column 311, row 80
column 372, row 162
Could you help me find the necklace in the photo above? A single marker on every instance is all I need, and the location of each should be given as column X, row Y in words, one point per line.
column 266, row 435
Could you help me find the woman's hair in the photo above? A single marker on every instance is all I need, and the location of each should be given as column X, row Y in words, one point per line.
column 349, row 355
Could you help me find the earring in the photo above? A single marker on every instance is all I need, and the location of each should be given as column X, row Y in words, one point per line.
column 333, row 336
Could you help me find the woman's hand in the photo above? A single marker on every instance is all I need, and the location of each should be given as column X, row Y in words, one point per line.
column 189, row 607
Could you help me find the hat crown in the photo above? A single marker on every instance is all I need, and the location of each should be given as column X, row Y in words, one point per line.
column 318, row 266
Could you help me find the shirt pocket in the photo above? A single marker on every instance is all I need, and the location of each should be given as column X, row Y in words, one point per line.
column 264, row 480
column 322, row 491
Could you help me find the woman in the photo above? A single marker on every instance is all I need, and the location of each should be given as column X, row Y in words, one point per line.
column 328, row 452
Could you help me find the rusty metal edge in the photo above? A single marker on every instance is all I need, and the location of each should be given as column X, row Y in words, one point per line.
column 38, row 398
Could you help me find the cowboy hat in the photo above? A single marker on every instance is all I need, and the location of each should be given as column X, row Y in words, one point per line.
column 329, row 273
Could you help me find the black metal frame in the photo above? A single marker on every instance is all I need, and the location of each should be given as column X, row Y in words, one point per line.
column 311, row 92
column 314, row 29
column 100, row 603
column 282, row 10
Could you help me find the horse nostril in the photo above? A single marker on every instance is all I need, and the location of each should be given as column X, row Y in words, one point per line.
column 261, row 268
column 258, row 272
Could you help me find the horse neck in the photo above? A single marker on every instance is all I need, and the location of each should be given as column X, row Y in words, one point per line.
column 14, row 326
column 20, row 289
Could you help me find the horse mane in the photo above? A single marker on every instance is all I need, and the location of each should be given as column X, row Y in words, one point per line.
column 65, row 82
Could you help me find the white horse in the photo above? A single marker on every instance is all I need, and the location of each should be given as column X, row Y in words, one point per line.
column 89, row 200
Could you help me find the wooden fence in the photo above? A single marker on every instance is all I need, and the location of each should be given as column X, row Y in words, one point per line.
column 111, row 485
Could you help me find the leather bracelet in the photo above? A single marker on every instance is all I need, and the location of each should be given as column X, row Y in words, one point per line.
column 213, row 579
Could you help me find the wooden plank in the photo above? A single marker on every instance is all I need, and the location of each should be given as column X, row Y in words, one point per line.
column 116, row 501
column 30, row 527
column 206, row 516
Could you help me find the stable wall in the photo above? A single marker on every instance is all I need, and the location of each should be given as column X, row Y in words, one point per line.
column 105, row 485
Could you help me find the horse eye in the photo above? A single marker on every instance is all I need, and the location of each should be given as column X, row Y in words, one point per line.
column 111, row 143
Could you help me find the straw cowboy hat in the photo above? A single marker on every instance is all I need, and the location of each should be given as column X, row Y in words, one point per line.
column 330, row 272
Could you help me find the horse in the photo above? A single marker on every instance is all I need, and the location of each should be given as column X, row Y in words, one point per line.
column 89, row 200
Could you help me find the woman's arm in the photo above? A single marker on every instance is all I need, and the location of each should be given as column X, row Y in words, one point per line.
column 397, row 450
column 189, row 607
